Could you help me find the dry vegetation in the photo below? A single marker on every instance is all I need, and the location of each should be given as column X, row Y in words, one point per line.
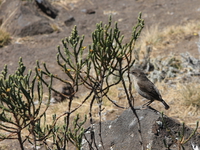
column 190, row 95
column 68, row 4
column 168, row 36
column 4, row 38
column 184, row 104
column 184, row 99
column 109, row 113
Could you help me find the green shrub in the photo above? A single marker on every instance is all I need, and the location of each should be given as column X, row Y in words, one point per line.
column 107, row 58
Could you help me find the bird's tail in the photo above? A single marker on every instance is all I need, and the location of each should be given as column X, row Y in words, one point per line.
column 165, row 104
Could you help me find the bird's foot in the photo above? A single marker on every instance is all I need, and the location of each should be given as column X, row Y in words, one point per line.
column 144, row 107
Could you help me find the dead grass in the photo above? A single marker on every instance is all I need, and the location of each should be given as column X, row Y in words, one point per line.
column 4, row 38
column 184, row 100
column 180, row 108
column 55, row 27
column 168, row 36
column 107, row 106
column 190, row 95
column 109, row 112
column 68, row 4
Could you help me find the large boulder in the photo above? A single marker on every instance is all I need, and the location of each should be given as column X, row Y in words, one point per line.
column 47, row 8
column 122, row 133
column 23, row 18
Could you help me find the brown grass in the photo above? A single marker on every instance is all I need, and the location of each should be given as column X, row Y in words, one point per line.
column 190, row 95
column 108, row 107
column 180, row 108
column 4, row 38
column 160, row 38
column 55, row 27
column 184, row 103
column 68, row 4
column 184, row 100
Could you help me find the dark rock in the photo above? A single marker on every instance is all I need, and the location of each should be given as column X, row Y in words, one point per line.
column 24, row 19
column 39, row 27
column 47, row 8
column 1, row 21
column 63, row 91
column 122, row 133
column 69, row 21
column 90, row 11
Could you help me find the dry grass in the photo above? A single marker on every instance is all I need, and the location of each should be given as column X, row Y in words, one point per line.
column 168, row 36
column 184, row 104
column 184, row 100
column 180, row 108
column 68, row 4
column 4, row 38
column 109, row 110
column 55, row 27
column 190, row 95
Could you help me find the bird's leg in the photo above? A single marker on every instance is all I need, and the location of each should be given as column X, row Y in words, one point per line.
column 147, row 104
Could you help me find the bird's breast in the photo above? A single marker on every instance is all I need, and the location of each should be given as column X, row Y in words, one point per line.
column 136, row 85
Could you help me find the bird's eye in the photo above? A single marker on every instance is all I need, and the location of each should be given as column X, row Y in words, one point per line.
column 133, row 72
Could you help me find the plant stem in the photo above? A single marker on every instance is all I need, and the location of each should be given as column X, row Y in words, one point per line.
column 20, row 140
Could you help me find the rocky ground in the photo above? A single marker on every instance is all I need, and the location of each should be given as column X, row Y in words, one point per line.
column 85, row 14
column 35, row 35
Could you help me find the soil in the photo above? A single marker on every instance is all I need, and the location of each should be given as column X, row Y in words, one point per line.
column 154, row 12
column 86, row 13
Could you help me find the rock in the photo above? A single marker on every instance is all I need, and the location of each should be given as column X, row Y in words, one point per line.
column 47, row 8
column 63, row 91
column 1, row 21
column 38, row 27
column 90, row 11
column 122, row 133
column 69, row 21
column 23, row 19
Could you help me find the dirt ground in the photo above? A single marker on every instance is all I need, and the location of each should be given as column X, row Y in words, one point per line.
column 155, row 12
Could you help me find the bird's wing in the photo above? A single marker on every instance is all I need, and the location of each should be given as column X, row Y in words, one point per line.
column 149, row 87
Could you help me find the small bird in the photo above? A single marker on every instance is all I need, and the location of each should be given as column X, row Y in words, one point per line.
column 146, row 88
